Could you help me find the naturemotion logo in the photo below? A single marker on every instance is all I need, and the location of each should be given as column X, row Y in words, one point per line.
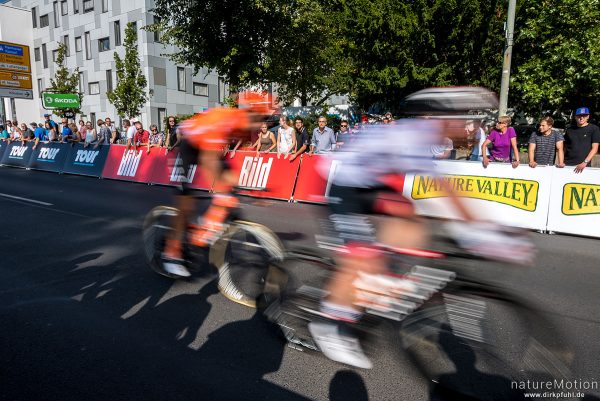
column 580, row 199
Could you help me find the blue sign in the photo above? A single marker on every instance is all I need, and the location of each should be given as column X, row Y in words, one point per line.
column 12, row 50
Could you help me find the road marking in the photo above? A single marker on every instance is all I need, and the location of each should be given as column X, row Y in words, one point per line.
column 25, row 199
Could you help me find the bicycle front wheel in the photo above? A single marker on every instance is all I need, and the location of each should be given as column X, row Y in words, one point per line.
column 476, row 342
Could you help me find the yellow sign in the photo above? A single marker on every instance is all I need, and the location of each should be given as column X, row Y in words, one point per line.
column 15, row 80
column 581, row 199
column 518, row 193
column 14, row 57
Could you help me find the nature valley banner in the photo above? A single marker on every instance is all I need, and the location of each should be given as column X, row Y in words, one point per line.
column 580, row 199
column 518, row 193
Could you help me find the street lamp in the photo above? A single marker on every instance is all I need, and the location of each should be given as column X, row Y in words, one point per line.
column 510, row 28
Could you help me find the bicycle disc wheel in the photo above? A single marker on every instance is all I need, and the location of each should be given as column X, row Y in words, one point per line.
column 242, row 255
column 157, row 225
column 475, row 342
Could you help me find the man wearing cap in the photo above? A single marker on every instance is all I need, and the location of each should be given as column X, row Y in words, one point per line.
column 581, row 142
column 53, row 123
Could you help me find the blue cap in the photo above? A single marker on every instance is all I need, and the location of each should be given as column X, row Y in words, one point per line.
column 581, row 111
column 47, row 115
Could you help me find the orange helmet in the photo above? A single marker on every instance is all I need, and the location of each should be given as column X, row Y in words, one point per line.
column 259, row 102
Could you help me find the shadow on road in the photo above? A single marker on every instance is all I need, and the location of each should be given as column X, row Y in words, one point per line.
column 347, row 385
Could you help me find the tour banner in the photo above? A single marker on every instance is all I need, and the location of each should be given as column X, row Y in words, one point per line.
column 3, row 146
column 86, row 161
column 49, row 157
column 17, row 154
column 514, row 197
column 130, row 165
column 265, row 176
column 575, row 202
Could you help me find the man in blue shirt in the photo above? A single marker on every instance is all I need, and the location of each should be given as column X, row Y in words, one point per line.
column 66, row 132
column 39, row 134
column 52, row 122
column 323, row 138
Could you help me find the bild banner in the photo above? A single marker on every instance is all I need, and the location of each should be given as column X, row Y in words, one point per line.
column 315, row 178
column 86, row 161
column 168, row 170
column 130, row 165
column 575, row 202
column 514, row 197
column 17, row 154
column 49, row 157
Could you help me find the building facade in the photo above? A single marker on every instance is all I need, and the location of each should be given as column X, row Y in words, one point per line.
column 93, row 30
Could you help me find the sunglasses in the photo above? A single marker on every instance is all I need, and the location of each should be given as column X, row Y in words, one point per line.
column 154, row 130
column 344, row 126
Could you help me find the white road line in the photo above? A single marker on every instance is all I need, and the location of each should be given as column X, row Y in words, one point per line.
column 25, row 199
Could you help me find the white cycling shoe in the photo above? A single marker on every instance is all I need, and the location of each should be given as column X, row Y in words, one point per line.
column 338, row 346
column 175, row 267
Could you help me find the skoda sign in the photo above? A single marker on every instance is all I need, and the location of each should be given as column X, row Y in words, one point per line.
column 60, row 100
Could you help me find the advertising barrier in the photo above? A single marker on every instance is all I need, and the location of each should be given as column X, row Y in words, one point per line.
column 49, row 157
column 514, row 197
column 312, row 186
column 272, row 177
column 3, row 146
column 575, row 202
column 17, row 154
column 130, row 165
column 168, row 170
column 86, row 161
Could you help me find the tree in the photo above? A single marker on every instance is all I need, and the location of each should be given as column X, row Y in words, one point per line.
column 129, row 94
column 64, row 81
column 556, row 56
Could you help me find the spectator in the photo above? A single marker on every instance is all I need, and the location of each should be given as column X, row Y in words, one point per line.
column 4, row 135
column 581, row 142
column 442, row 150
column 66, row 132
column 344, row 135
column 129, row 132
column 173, row 135
column 266, row 140
column 76, row 137
column 39, row 134
column 286, row 138
column 156, row 139
column 389, row 117
column 90, row 136
column 475, row 138
column 8, row 126
column 115, row 135
column 545, row 144
column 301, row 138
column 104, row 133
column 323, row 139
column 53, row 123
column 503, row 138
column 386, row 120
column 26, row 133
column 141, row 136
column 82, row 130
column 50, row 131
column 16, row 131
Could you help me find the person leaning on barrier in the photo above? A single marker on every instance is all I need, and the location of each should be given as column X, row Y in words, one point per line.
column 286, row 138
column 104, row 134
column 503, row 138
column 475, row 138
column 266, row 140
column 581, row 142
column 545, row 145
column 76, row 137
column 91, row 136
column 173, row 139
column 129, row 132
column 65, row 131
column 26, row 133
column 4, row 135
column 156, row 139
column 114, row 131
column 301, row 138
column 141, row 137
column 323, row 138
column 39, row 134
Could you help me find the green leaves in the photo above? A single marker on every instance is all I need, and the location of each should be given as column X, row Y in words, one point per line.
column 129, row 94
column 64, row 81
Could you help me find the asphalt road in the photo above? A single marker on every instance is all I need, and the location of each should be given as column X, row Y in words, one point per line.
column 83, row 318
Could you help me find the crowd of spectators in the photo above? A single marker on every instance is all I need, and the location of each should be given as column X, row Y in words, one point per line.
column 487, row 141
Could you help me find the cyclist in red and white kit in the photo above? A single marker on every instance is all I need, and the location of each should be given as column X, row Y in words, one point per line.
column 364, row 185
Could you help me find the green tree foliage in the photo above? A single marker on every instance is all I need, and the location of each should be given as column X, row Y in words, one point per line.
column 65, row 81
column 556, row 56
column 129, row 94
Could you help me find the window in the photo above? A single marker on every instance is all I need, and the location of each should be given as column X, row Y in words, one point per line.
column 76, row 6
column 56, row 14
column 40, row 86
column 200, row 89
column 78, row 44
column 93, row 119
column 88, row 46
column 34, row 16
column 103, row 44
column 64, row 7
column 36, row 53
column 156, row 33
column 181, row 79
column 44, row 21
column 81, row 87
column 162, row 116
column 54, row 55
column 104, row 6
column 44, row 56
column 88, row 5
column 109, row 85
column 94, row 88
column 67, row 47
column 117, row 33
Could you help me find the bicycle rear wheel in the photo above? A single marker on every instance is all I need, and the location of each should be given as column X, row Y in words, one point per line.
column 476, row 342
column 157, row 225
column 243, row 255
